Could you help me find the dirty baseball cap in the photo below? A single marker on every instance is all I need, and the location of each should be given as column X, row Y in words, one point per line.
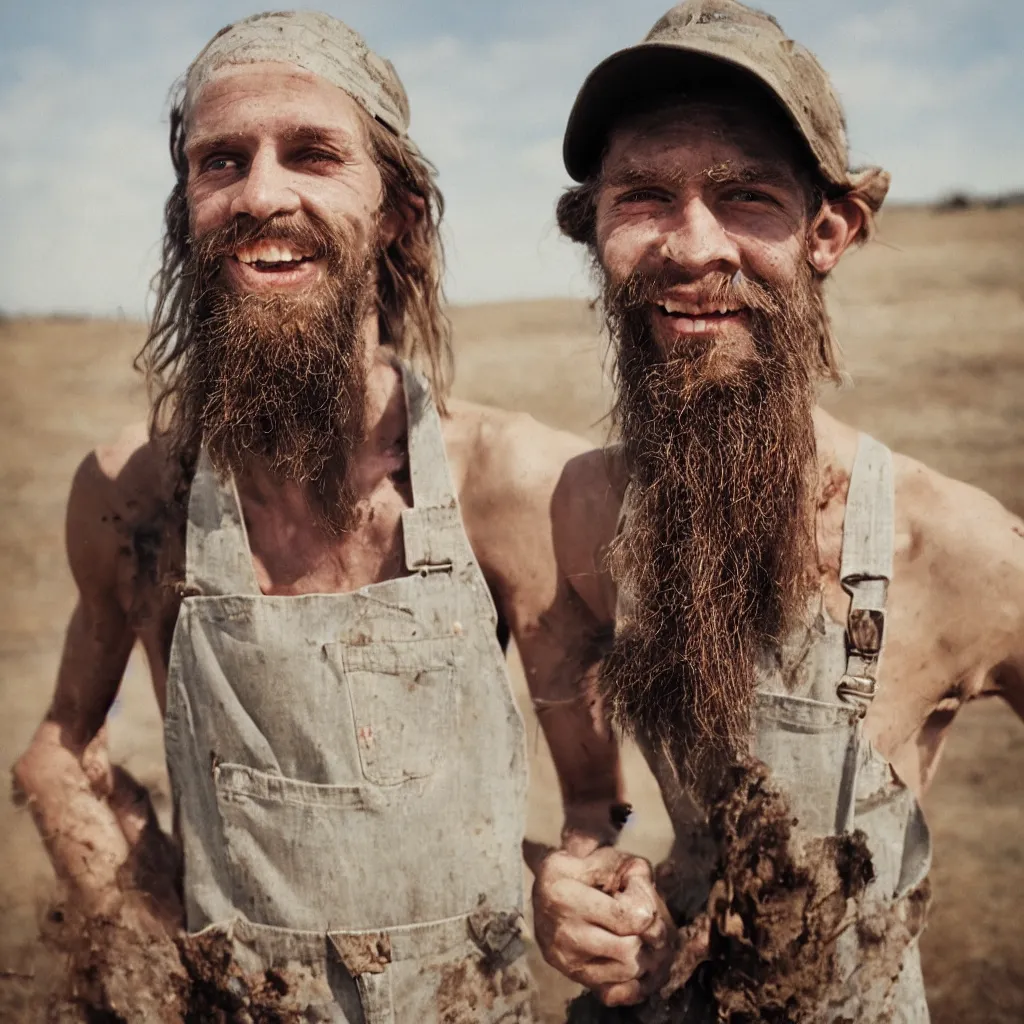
column 315, row 42
column 706, row 41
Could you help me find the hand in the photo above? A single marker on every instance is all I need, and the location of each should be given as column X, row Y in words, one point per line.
column 151, row 874
column 599, row 920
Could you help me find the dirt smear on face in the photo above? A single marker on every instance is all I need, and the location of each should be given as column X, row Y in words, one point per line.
column 121, row 971
column 781, row 908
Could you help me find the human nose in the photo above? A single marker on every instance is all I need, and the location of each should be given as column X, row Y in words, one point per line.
column 697, row 241
column 267, row 189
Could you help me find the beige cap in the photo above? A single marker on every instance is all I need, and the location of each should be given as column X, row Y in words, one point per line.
column 315, row 42
column 701, row 40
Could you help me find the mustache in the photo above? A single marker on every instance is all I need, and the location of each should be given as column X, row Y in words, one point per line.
column 642, row 289
column 306, row 232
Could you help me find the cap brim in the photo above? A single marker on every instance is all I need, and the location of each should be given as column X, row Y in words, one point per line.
column 632, row 77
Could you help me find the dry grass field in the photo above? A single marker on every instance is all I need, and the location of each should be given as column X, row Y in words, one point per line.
column 932, row 319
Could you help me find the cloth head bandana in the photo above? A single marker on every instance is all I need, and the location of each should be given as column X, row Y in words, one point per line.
column 315, row 42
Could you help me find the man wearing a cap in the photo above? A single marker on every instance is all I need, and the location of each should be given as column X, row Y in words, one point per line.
column 322, row 559
column 784, row 584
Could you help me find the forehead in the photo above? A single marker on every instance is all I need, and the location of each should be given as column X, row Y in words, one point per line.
column 271, row 96
column 702, row 138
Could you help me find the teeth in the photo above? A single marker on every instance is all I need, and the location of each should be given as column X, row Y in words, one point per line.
column 680, row 309
column 263, row 253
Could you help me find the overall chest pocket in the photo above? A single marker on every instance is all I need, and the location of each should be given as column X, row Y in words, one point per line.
column 403, row 704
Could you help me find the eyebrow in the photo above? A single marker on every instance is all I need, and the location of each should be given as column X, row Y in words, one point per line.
column 634, row 176
column 296, row 135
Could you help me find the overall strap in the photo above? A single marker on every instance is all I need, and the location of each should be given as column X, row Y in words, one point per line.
column 432, row 528
column 217, row 555
column 866, row 568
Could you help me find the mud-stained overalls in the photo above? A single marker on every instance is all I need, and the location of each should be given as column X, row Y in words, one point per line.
column 812, row 695
column 348, row 770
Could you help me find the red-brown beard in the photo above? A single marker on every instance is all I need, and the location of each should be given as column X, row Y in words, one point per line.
column 714, row 559
column 279, row 379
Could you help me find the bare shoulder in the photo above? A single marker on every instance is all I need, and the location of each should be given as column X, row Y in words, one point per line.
column 964, row 555
column 942, row 523
column 518, row 478
column 505, row 459
column 117, row 488
column 956, row 529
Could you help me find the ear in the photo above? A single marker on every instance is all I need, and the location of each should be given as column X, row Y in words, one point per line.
column 839, row 223
column 401, row 219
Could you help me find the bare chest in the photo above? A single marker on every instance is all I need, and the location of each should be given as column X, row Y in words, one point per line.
column 293, row 554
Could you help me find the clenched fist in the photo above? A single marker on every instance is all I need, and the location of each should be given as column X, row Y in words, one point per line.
column 599, row 920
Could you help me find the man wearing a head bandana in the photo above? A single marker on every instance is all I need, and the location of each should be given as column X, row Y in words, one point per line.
column 323, row 558
column 800, row 612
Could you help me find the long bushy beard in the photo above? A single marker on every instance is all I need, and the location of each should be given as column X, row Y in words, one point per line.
column 279, row 379
column 715, row 555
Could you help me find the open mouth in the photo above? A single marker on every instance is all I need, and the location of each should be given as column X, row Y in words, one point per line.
column 273, row 265
column 689, row 319
column 276, row 258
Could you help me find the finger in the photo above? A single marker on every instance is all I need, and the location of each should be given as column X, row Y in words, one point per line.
column 96, row 764
column 589, row 943
column 627, row 993
column 131, row 803
column 535, row 853
column 586, row 954
column 636, row 868
column 597, row 908
column 658, row 935
column 597, row 973
column 655, row 965
column 640, row 899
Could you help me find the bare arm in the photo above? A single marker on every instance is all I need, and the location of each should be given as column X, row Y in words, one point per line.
column 510, row 503
column 997, row 614
column 81, row 807
column 597, row 916
column 957, row 629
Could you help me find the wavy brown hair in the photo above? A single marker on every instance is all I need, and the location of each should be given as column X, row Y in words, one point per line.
column 410, row 293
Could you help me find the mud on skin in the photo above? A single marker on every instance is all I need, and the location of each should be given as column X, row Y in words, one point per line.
column 777, row 905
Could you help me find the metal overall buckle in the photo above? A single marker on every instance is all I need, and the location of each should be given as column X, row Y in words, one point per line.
column 857, row 689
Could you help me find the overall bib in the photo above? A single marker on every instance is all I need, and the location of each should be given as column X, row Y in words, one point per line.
column 812, row 695
column 349, row 771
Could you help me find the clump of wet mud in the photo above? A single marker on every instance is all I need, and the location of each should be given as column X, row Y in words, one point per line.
column 781, row 906
column 125, row 969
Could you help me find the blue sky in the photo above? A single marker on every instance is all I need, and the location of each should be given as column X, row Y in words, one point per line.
column 931, row 88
